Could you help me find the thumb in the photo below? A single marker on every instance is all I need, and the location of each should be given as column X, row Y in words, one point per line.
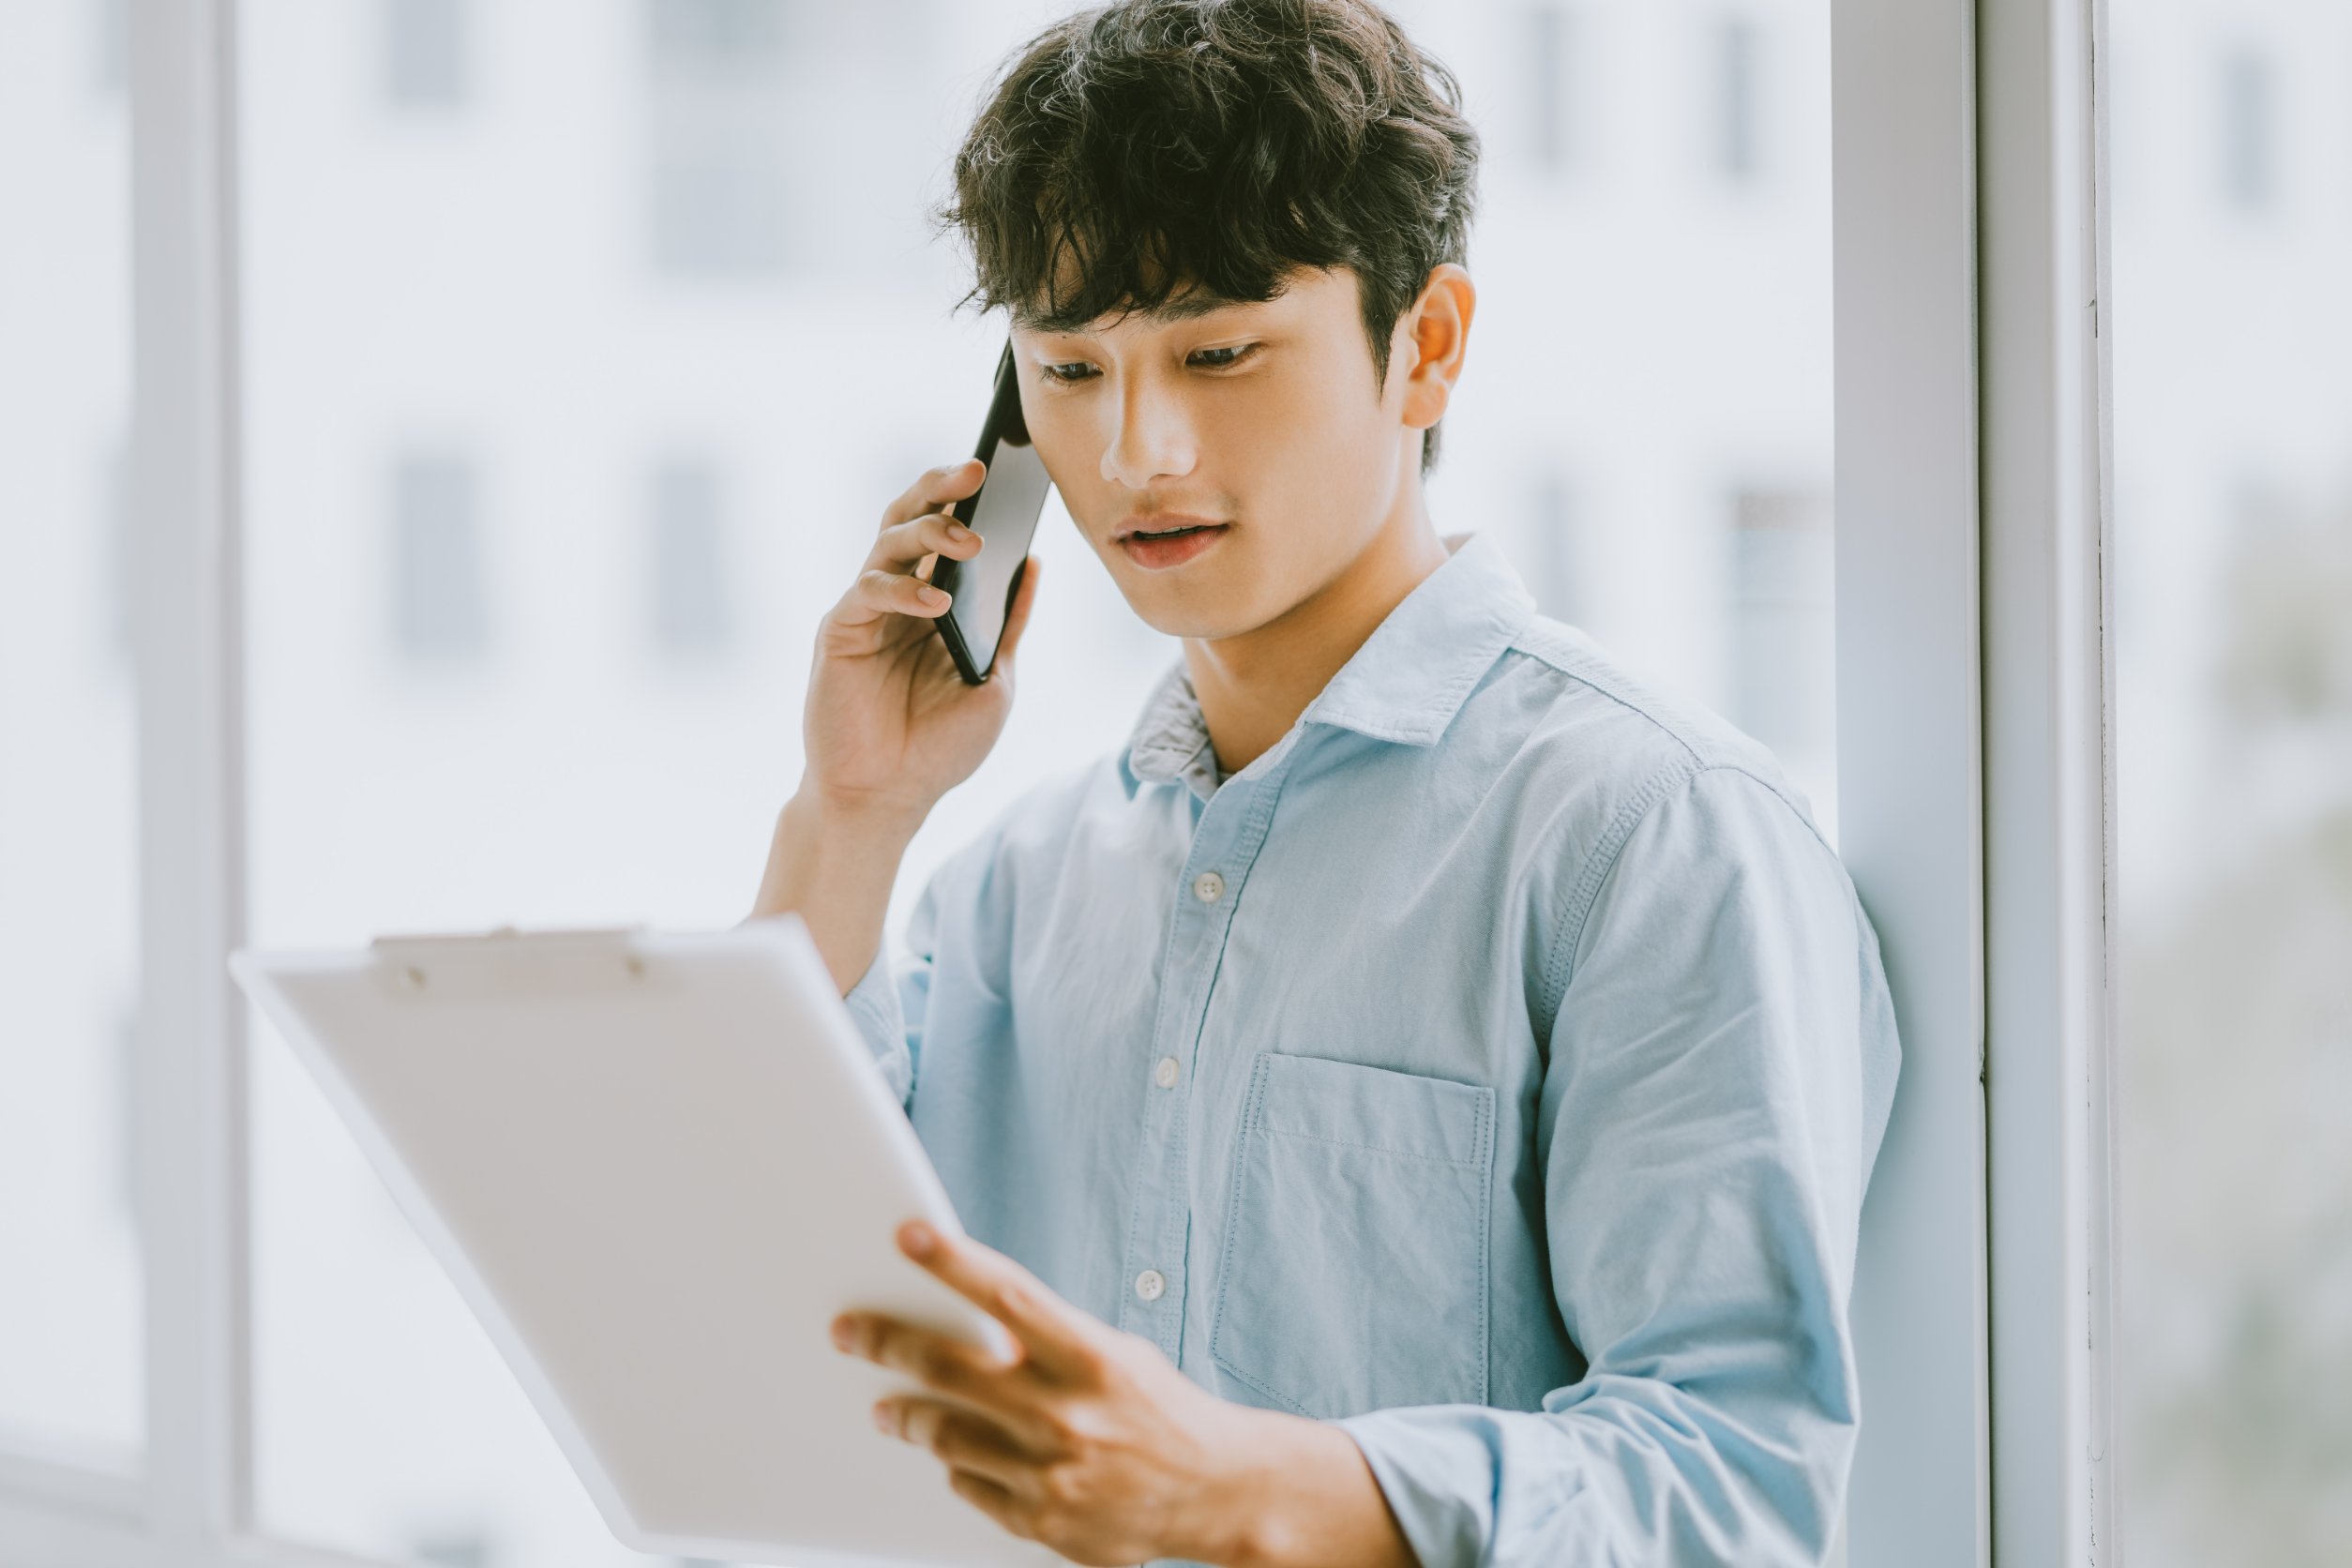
column 1017, row 618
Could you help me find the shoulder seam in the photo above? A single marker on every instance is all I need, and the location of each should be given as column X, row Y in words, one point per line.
column 1561, row 667
column 1585, row 888
column 1585, row 891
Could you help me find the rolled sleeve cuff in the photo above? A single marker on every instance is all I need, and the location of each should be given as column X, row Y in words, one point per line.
column 1440, row 1469
column 881, row 1018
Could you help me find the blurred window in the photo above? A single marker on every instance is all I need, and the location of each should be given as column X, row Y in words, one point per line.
column 110, row 29
column 2248, row 155
column 1737, row 107
column 72, row 1359
column 2233, row 465
column 1549, row 80
column 424, row 52
column 768, row 155
column 716, row 35
column 441, row 606
column 688, row 579
column 719, row 210
column 721, row 98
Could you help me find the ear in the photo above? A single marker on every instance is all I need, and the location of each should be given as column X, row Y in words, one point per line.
column 1432, row 337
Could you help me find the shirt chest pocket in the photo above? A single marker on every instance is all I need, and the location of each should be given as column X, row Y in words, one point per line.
column 1353, row 1273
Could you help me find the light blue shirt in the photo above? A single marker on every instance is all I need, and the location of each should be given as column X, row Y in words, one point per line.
column 1494, row 1066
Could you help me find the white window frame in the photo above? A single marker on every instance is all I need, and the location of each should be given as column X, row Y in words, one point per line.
column 1910, row 722
column 1976, row 768
column 2049, row 686
column 1975, row 791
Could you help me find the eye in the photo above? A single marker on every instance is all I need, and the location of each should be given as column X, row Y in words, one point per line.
column 1220, row 360
column 1070, row 372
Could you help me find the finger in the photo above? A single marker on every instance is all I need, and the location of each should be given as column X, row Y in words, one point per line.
column 902, row 544
column 878, row 592
column 996, row 1501
column 934, row 489
column 1051, row 1331
column 961, row 1440
column 1017, row 618
column 939, row 1363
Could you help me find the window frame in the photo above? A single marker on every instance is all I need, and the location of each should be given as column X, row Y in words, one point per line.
column 1975, row 779
column 1972, row 453
column 1910, row 815
column 2048, row 533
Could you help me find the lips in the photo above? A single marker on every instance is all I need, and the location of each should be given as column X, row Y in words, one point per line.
column 1172, row 542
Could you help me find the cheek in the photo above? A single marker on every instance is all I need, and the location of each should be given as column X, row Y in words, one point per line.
column 1074, row 466
column 1319, row 458
column 1289, row 432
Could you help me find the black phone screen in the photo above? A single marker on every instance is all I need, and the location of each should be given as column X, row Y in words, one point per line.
column 1004, row 514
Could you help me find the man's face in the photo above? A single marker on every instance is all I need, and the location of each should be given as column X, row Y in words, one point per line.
column 1259, row 426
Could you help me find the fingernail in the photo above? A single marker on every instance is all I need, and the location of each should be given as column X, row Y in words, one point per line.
column 918, row 1239
column 958, row 532
column 932, row 595
column 843, row 1336
column 883, row 1422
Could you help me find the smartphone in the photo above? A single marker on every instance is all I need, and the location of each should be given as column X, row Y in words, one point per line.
column 1004, row 514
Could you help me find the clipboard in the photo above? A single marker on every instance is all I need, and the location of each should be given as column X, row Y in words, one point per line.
column 655, row 1168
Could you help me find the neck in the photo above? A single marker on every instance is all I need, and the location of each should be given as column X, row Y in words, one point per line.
column 1252, row 687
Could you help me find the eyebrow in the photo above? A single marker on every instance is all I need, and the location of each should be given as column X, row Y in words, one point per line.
column 1193, row 304
column 1189, row 306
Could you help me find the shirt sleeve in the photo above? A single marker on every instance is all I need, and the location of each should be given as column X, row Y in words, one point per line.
column 1720, row 1068
column 890, row 1000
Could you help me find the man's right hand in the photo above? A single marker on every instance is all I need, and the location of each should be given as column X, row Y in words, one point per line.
column 890, row 726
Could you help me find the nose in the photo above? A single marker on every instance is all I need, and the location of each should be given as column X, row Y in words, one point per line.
column 1154, row 437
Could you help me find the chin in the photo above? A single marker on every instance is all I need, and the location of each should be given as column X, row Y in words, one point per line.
column 1206, row 615
column 1197, row 629
column 1214, row 599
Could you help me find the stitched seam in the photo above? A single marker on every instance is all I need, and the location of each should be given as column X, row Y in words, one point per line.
column 1246, row 848
column 1252, row 840
column 1529, row 648
column 1577, row 907
column 1612, row 844
column 1448, row 695
column 1673, row 732
column 1233, row 1222
column 1779, row 794
column 1486, row 1229
column 1471, row 1164
column 1159, row 1029
column 1275, row 1394
column 1253, row 1122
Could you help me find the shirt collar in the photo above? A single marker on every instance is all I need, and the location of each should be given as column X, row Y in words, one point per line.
column 1171, row 740
column 1405, row 685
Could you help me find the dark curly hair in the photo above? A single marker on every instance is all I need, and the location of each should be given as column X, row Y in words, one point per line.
column 1153, row 147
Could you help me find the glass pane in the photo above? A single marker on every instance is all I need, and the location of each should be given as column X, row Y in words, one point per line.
column 2233, row 369
column 577, row 385
column 70, row 1379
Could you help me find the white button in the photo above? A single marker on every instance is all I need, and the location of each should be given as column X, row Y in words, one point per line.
column 1151, row 1285
column 1208, row 888
column 1165, row 1074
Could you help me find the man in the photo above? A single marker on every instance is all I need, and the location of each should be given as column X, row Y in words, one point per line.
column 1413, row 1103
